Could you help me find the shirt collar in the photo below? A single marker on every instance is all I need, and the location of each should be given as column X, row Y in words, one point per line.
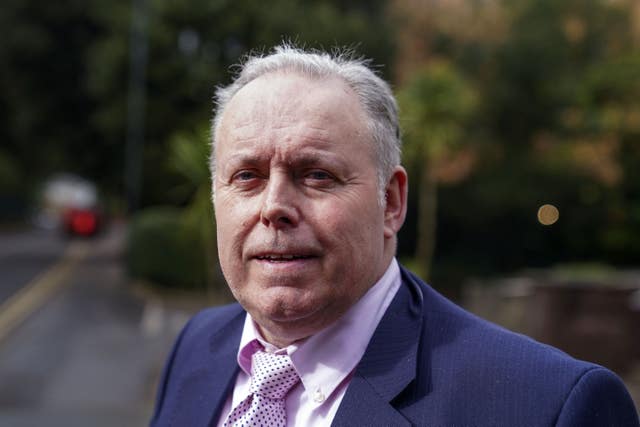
column 327, row 358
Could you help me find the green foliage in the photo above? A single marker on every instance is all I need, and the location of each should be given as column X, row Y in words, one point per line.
column 434, row 105
column 9, row 174
column 177, row 246
column 65, row 74
column 164, row 248
column 558, row 121
column 607, row 99
column 189, row 154
column 192, row 44
column 538, row 70
column 44, row 110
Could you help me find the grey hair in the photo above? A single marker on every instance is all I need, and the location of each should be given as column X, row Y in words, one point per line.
column 374, row 94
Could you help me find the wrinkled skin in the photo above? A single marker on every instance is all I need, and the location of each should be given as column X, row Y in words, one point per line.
column 301, row 232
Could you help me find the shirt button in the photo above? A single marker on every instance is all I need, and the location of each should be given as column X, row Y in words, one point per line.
column 318, row 396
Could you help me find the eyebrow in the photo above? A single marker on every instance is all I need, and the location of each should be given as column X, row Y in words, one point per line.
column 250, row 158
column 299, row 159
column 306, row 159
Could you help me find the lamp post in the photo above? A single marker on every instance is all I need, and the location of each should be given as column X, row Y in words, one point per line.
column 138, row 57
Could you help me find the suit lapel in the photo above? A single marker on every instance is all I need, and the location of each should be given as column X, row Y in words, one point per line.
column 388, row 365
column 204, row 390
column 224, row 366
column 362, row 405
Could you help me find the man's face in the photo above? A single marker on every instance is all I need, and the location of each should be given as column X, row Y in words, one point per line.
column 301, row 233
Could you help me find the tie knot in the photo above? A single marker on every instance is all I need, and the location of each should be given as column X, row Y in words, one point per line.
column 273, row 375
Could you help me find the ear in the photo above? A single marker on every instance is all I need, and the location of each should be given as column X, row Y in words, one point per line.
column 396, row 202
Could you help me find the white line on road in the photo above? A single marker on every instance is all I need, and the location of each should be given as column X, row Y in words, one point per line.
column 23, row 303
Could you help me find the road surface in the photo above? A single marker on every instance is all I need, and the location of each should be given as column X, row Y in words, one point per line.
column 77, row 346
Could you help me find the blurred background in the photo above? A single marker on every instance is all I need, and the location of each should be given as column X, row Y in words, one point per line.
column 521, row 123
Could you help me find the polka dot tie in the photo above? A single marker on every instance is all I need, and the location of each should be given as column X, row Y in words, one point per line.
column 273, row 375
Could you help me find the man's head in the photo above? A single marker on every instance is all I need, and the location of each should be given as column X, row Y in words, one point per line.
column 309, row 192
column 374, row 94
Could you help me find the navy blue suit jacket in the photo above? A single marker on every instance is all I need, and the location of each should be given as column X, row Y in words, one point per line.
column 429, row 363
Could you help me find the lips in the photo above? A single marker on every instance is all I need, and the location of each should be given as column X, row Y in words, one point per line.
column 282, row 257
column 282, row 254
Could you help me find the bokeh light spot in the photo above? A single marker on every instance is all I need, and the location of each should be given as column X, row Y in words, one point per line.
column 548, row 214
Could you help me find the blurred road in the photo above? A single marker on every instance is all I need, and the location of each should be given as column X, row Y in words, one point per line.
column 24, row 254
column 77, row 346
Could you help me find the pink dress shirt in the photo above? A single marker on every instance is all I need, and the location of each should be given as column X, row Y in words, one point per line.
column 324, row 361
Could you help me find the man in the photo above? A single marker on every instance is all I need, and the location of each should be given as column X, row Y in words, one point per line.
column 329, row 330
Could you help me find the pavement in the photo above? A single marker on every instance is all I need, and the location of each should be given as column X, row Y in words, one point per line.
column 88, row 345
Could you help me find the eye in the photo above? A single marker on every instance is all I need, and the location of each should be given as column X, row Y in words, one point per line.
column 244, row 175
column 319, row 178
column 246, row 179
column 319, row 175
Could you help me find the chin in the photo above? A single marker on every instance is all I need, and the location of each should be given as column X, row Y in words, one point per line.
column 290, row 307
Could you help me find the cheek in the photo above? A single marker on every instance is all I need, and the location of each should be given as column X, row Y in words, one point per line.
column 229, row 226
column 232, row 219
column 352, row 236
column 361, row 221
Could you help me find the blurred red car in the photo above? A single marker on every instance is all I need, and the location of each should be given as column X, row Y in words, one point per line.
column 71, row 204
column 81, row 221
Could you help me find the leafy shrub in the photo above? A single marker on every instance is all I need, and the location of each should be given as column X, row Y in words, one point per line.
column 164, row 248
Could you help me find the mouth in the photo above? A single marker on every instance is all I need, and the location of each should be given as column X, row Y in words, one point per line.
column 282, row 257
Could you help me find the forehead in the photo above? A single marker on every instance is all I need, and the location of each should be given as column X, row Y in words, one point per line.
column 287, row 99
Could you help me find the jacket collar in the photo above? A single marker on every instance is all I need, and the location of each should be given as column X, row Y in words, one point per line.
column 389, row 364
column 223, row 363
column 212, row 369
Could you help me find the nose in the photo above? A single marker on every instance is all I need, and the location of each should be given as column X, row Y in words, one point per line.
column 279, row 206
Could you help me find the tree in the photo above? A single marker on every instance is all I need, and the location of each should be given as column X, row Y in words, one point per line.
column 43, row 105
column 435, row 103
column 192, row 45
column 65, row 74
column 188, row 154
column 556, row 123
